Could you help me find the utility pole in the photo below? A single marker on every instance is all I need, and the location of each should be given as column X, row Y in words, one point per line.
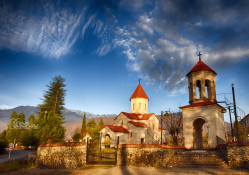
column 161, row 127
column 231, row 122
column 235, row 114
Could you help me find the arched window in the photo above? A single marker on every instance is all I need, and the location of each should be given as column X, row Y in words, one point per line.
column 131, row 134
column 139, row 105
column 133, row 106
column 122, row 122
column 145, row 106
column 198, row 89
column 207, row 89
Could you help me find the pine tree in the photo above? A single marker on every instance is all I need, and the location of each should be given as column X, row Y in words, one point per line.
column 54, row 97
column 50, row 127
column 83, row 128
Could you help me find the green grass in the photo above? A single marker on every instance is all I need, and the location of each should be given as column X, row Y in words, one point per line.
column 15, row 165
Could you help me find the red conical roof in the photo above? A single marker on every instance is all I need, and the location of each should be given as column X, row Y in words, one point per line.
column 139, row 93
column 201, row 66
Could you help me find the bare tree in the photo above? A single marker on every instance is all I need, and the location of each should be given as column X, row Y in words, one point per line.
column 173, row 125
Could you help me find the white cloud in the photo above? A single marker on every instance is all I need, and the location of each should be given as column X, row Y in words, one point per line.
column 50, row 35
column 5, row 107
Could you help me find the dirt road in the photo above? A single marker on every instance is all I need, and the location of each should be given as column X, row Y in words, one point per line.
column 130, row 170
column 16, row 154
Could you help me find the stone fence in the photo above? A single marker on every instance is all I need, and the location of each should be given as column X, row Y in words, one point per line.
column 146, row 155
column 61, row 155
column 238, row 155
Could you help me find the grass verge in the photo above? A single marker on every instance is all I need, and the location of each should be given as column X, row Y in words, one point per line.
column 15, row 165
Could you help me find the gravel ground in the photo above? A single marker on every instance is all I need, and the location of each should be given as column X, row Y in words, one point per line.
column 130, row 170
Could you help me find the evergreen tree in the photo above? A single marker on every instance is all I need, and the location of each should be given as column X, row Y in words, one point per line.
column 50, row 127
column 54, row 97
column 12, row 131
column 83, row 128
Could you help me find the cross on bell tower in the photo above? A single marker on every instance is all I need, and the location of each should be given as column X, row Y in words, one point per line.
column 199, row 55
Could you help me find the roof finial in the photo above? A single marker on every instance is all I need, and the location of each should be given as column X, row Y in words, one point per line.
column 139, row 80
column 199, row 56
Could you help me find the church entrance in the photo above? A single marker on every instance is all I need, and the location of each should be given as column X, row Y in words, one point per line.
column 200, row 134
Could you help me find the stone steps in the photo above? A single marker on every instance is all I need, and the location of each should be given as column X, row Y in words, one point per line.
column 200, row 159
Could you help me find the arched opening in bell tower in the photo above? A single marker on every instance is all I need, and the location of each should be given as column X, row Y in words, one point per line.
column 198, row 89
column 200, row 133
column 207, row 89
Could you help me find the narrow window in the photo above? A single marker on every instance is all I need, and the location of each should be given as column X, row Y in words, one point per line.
column 133, row 106
column 131, row 134
column 207, row 89
column 145, row 106
column 198, row 89
column 139, row 105
column 121, row 122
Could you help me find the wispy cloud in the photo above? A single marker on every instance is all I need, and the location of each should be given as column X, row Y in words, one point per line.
column 163, row 44
column 51, row 31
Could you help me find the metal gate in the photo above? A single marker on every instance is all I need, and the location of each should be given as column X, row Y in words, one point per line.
column 100, row 156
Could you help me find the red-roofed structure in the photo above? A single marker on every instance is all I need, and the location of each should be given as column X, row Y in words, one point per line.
column 139, row 93
column 201, row 66
column 201, row 104
column 139, row 124
column 135, row 116
column 117, row 128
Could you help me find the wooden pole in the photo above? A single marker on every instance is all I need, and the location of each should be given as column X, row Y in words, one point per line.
column 235, row 114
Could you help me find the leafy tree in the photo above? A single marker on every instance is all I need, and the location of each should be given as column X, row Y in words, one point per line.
column 93, row 130
column 76, row 137
column 101, row 124
column 3, row 136
column 12, row 132
column 50, row 127
column 54, row 97
column 30, row 138
column 91, row 124
column 173, row 126
column 83, row 128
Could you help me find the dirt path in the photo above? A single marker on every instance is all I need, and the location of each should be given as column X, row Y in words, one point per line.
column 130, row 170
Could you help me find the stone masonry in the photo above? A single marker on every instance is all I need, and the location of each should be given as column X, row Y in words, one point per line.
column 61, row 155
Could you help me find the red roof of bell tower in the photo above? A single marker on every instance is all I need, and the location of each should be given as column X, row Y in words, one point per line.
column 201, row 66
column 139, row 93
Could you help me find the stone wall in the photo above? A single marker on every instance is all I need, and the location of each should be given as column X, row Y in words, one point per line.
column 61, row 155
column 146, row 155
column 238, row 155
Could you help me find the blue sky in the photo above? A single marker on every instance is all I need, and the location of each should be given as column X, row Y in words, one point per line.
column 101, row 48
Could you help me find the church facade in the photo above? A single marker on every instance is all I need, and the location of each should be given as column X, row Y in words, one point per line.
column 137, row 127
column 202, row 109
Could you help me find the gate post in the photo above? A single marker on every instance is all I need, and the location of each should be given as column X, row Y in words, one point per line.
column 87, row 149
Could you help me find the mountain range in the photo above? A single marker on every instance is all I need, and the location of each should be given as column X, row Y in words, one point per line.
column 69, row 114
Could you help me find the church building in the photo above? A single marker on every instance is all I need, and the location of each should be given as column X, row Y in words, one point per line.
column 137, row 127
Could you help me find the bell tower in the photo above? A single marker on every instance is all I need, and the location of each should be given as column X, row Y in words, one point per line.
column 139, row 101
column 201, row 83
column 203, row 109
